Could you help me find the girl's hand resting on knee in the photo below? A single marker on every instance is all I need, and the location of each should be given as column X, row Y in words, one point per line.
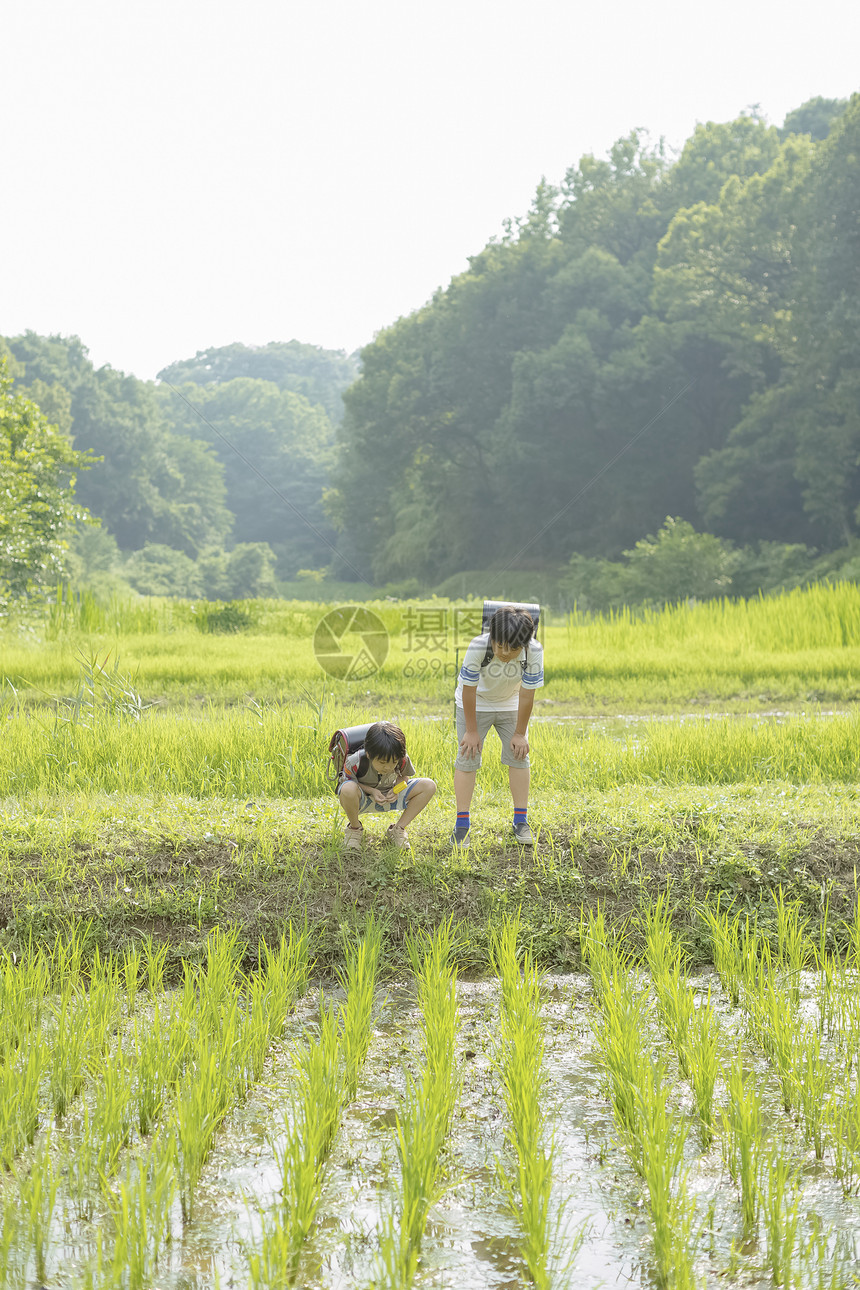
column 470, row 744
column 520, row 747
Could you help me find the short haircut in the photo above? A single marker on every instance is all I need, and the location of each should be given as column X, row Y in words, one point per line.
column 386, row 741
column 512, row 627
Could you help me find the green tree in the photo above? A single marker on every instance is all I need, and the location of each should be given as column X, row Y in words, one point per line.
column 276, row 451
column 37, row 503
column 318, row 375
column 814, row 117
column 148, row 485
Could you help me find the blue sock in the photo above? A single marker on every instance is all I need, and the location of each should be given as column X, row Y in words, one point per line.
column 462, row 820
column 520, row 813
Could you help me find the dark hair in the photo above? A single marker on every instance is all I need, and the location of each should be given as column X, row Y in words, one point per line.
column 386, row 741
column 512, row 627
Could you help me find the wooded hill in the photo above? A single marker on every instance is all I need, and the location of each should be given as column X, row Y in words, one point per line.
column 699, row 317
column 655, row 337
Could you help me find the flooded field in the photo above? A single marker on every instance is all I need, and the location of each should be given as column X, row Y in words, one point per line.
column 633, row 1126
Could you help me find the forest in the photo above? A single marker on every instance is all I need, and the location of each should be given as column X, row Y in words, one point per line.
column 655, row 368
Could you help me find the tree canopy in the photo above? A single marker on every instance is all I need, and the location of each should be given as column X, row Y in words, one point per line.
column 37, row 485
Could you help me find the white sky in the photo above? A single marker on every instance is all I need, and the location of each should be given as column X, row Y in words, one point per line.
column 180, row 174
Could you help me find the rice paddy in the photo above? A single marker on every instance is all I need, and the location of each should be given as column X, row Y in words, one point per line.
column 640, row 1122
column 233, row 1055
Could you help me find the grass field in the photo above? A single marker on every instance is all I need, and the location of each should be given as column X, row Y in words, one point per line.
column 181, row 1107
column 796, row 649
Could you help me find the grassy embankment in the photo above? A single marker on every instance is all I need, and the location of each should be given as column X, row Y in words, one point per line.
column 172, row 819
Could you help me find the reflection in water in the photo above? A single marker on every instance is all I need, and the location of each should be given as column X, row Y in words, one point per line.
column 471, row 1240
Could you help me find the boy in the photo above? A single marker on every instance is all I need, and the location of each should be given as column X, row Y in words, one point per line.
column 500, row 673
column 379, row 778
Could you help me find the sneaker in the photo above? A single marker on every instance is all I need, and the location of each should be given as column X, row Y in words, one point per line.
column 397, row 837
column 460, row 839
column 524, row 835
column 352, row 838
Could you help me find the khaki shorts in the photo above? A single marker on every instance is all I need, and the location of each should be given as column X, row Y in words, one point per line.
column 368, row 804
column 506, row 728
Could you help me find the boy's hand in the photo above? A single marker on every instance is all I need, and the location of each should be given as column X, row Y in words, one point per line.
column 470, row 744
column 520, row 747
column 380, row 795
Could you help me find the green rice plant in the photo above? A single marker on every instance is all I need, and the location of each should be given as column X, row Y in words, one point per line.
column 20, row 1080
column 358, row 979
column 140, row 1221
column 779, row 1200
column 218, row 982
column 155, row 959
column 11, row 1262
column 430, row 1099
column 526, row 1179
column 743, row 1143
column 727, row 947
column 23, row 987
column 618, row 1029
column 113, row 1113
column 842, row 1120
column 131, row 969
column 198, row 1112
column 659, row 1153
column 68, row 1049
column 37, row 1190
column 103, row 1007
column 151, row 1043
column 705, row 1063
column 823, row 1267
column 813, row 1078
column 773, row 1022
column 286, row 974
column 271, row 996
column 301, row 1152
column 794, row 948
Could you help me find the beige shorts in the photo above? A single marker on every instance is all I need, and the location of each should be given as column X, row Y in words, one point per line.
column 506, row 727
column 367, row 803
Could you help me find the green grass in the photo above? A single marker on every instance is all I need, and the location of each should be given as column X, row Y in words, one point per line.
column 800, row 647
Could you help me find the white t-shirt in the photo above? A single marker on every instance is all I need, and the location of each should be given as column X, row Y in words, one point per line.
column 499, row 683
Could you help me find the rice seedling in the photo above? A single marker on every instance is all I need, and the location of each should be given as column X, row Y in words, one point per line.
column 358, row 979
column 743, row 1145
column 198, row 1113
column 794, row 948
column 11, row 1263
column 37, row 1190
column 705, row 1062
column 301, row 1152
column 814, row 1078
column 618, row 1029
column 842, row 1119
column 772, row 1019
column 779, row 1199
column 728, row 948
column 20, row 1080
column 131, row 969
column 659, row 1153
column 155, row 959
column 422, row 1128
column 113, row 1114
column 527, row 1180
column 140, row 1222
column 68, row 1050
column 826, row 1264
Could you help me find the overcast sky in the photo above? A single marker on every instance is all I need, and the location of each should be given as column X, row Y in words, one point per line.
column 180, row 174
